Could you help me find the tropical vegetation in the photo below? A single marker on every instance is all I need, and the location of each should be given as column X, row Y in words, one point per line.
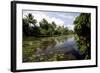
column 44, row 33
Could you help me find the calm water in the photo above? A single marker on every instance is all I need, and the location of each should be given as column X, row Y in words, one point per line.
column 50, row 49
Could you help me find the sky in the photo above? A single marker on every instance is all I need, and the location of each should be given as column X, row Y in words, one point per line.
column 60, row 18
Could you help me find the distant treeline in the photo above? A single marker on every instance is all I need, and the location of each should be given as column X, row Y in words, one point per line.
column 31, row 27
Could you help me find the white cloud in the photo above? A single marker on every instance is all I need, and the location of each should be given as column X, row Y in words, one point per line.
column 70, row 26
column 59, row 22
column 40, row 15
column 64, row 16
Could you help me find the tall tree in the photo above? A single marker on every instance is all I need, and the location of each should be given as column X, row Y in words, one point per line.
column 44, row 24
column 28, row 23
column 83, row 30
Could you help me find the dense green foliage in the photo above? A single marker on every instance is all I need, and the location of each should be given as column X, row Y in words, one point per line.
column 43, row 28
column 46, row 41
column 83, row 33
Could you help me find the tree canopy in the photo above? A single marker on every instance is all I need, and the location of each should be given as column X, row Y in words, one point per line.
column 83, row 30
column 45, row 28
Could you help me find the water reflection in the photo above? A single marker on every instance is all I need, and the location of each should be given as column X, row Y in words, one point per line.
column 52, row 49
